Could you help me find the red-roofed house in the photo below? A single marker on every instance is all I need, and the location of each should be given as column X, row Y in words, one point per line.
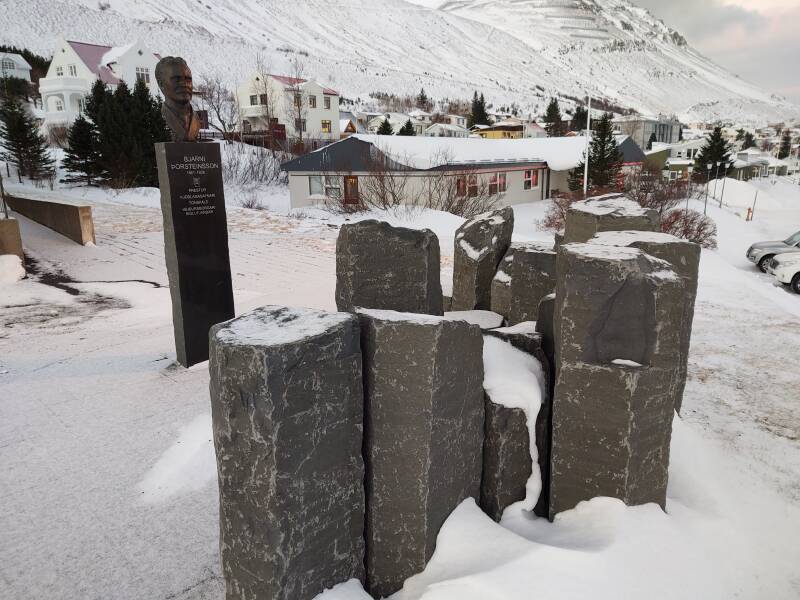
column 306, row 108
column 76, row 66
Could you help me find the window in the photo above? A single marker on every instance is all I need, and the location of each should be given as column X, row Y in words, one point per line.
column 263, row 99
column 59, row 105
column 8, row 65
column 143, row 74
column 312, row 102
column 300, row 125
column 333, row 186
column 326, row 127
column 59, row 71
column 253, row 100
column 472, row 186
column 531, row 180
column 82, row 105
column 327, row 102
column 316, row 186
column 298, row 100
column 497, row 183
column 73, row 71
column 461, row 186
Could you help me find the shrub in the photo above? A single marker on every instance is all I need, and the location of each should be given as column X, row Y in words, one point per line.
column 691, row 225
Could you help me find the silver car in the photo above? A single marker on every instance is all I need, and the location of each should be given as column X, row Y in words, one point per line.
column 762, row 252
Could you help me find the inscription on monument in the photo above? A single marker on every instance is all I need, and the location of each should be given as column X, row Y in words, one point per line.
column 196, row 244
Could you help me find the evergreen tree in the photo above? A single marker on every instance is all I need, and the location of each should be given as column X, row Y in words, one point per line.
column 82, row 160
column 786, row 145
column 650, row 142
column 579, row 118
column 95, row 99
column 749, row 141
column 740, row 135
column 680, row 133
column 478, row 114
column 554, row 124
column 714, row 152
column 385, row 128
column 407, row 129
column 423, row 101
column 605, row 159
column 150, row 128
column 22, row 144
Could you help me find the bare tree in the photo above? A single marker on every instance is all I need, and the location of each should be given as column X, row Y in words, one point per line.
column 297, row 99
column 221, row 103
column 263, row 88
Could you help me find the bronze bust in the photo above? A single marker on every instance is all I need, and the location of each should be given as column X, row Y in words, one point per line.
column 174, row 78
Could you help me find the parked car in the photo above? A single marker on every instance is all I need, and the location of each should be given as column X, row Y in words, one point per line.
column 786, row 269
column 762, row 252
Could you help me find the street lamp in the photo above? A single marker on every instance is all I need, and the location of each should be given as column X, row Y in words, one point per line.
column 709, row 166
column 727, row 168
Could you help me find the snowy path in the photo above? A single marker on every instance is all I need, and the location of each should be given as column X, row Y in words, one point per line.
column 107, row 477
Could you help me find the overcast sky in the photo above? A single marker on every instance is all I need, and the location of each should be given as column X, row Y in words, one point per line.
column 756, row 39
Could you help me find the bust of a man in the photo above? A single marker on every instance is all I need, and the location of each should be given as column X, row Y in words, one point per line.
column 174, row 78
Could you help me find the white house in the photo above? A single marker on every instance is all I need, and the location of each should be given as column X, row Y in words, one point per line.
column 306, row 108
column 397, row 121
column 77, row 65
column 423, row 168
column 13, row 65
column 446, row 130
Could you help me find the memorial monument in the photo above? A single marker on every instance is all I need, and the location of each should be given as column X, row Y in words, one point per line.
column 195, row 224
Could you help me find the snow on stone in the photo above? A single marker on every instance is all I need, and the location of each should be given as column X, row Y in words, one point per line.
column 485, row 319
column 276, row 325
column 11, row 269
column 524, row 327
column 349, row 590
column 515, row 379
column 400, row 317
column 623, row 362
column 610, row 204
column 624, row 238
column 472, row 252
column 502, row 277
column 591, row 250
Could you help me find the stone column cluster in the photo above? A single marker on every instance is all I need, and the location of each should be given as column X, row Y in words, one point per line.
column 344, row 440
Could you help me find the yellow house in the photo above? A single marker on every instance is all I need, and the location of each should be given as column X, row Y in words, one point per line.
column 501, row 132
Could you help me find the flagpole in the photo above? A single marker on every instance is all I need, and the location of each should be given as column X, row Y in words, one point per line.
column 586, row 157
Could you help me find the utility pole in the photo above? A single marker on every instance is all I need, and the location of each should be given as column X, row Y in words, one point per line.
column 709, row 166
column 3, row 197
column 588, row 140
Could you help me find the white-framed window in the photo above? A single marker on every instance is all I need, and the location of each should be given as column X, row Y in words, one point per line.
column 59, row 105
column 333, row 186
column 673, row 175
column 82, row 105
column 327, row 102
column 316, row 185
column 530, row 179
column 59, row 71
column 497, row 183
column 326, row 127
column 312, row 101
column 254, row 100
column 300, row 125
column 143, row 74
column 73, row 70
column 8, row 65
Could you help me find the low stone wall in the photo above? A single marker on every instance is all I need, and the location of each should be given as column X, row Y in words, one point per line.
column 69, row 219
column 10, row 240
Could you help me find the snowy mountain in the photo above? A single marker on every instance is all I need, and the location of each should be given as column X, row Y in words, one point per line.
column 519, row 51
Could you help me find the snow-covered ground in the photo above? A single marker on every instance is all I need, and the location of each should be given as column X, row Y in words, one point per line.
column 107, row 474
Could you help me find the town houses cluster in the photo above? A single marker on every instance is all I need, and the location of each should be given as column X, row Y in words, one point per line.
column 510, row 153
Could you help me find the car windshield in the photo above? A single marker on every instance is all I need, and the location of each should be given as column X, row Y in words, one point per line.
column 794, row 240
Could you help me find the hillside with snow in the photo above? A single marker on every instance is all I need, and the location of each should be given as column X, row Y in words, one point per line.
column 520, row 51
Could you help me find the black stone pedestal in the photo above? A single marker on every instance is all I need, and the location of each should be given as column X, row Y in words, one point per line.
column 195, row 244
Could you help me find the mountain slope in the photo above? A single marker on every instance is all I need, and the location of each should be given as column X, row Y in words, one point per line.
column 513, row 50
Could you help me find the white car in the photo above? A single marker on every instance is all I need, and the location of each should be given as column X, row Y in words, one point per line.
column 786, row 269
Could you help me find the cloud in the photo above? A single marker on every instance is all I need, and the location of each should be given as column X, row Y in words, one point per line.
column 756, row 39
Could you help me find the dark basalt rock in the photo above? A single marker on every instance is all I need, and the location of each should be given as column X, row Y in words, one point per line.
column 424, row 418
column 480, row 245
column 389, row 268
column 287, row 408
